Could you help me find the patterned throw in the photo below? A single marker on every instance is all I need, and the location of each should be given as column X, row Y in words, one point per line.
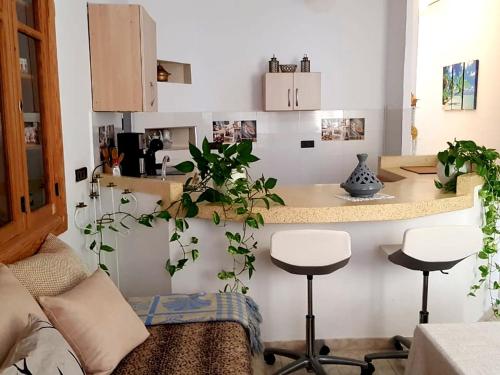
column 202, row 307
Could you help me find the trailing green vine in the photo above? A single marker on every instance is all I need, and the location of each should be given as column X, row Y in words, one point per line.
column 119, row 221
column 484, row 161
column 220, row 178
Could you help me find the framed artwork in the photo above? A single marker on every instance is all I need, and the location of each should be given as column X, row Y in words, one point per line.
column 458, row 86
column 447, row 86
column 470, row 85
column 234, row 131
column 342, row 129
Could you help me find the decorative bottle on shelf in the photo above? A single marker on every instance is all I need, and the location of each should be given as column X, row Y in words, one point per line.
column 305, row 65
column 274, row 65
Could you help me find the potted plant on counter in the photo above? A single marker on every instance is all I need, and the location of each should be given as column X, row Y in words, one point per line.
column 220, row 177
column 485, row 162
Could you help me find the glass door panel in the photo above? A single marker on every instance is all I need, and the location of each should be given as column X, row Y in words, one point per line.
column 25, row 12
column 32, row 123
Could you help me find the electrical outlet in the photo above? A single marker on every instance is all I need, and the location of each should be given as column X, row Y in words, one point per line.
column 81, row 174
column 307, row 144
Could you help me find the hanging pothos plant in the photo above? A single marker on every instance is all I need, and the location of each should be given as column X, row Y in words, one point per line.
column 484, row 162
column 220, row 177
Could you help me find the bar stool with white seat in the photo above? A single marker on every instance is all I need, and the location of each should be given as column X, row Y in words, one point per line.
column 310, row 252
column 429, row 249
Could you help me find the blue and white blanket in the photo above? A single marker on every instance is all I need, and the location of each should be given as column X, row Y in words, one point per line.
column 202, row 307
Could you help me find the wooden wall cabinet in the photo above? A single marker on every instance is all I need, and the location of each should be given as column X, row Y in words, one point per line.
column 123, row 58
column 292, row 91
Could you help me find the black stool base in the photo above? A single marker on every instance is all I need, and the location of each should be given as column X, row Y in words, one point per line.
column 400, row 343
column 312, row 363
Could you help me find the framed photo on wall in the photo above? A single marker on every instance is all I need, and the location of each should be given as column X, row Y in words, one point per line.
column 458, row 86
column 470, row 85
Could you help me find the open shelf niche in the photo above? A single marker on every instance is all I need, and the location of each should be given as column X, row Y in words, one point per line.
column 180, row 72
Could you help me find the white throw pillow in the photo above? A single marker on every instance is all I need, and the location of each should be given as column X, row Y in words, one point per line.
column 41, row 350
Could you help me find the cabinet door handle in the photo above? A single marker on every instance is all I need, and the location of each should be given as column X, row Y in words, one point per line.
column 297, row 98
column 151, row 84
column 289, row 104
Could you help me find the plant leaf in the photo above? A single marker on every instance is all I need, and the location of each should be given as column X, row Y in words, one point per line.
column 215, row 218
column 164, row 214
column 270, row 183
column 276, row 198
column 195, row 254
column 106, row 248
column 170, row 268
column 185, row 166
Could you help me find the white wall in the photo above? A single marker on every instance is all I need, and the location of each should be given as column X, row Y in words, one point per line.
column 229, row 43
column 74, row 87
column 394, row 70
column 278, row 142
column 358, row 46
column 76, row 105
column 453, row 31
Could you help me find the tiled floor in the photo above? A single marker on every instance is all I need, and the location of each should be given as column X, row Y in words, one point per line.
column 383, row 366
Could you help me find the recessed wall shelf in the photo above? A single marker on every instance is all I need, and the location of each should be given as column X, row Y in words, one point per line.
column 179, row 72
column 173, row 138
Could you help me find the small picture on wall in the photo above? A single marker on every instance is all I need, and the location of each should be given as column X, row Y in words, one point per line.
column 249, row 130
column 470, row 85
column 447, row 87
column 356, row 129
column 331, row 129
column 103, row 139
column 458, row 86
column 340, row 129
column 110, row 133
column 234, row 131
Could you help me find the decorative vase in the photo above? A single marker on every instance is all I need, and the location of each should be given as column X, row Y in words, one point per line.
column 362, row 182
column 443, row 178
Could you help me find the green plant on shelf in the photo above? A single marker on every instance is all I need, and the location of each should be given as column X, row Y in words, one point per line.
column 485, row 162
column 221, row 178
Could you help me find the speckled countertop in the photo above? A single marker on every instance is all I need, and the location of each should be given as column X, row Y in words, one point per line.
column 414, row 196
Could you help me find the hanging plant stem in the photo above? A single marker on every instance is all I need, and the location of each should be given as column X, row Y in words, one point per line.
column 221, row 178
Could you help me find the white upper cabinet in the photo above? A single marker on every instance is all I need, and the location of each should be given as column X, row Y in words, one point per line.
column 292, row 91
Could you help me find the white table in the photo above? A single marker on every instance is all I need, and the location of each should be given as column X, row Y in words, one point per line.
column 465, row 349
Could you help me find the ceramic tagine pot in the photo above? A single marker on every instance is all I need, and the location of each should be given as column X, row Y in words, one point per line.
column 362, row 182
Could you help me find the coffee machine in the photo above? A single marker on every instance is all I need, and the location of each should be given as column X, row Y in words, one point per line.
column 132, row 145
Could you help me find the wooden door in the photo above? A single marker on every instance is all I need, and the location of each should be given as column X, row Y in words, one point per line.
column 149, row 62
column 278, row 92
column 307, row 91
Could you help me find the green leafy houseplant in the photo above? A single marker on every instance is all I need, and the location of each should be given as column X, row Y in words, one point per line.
column 485, row 163
column 221, row 178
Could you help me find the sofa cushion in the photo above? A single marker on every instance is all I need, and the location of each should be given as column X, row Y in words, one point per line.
column 41, row 350
column 97, row 322
column 16, row 305
column 55, row 269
